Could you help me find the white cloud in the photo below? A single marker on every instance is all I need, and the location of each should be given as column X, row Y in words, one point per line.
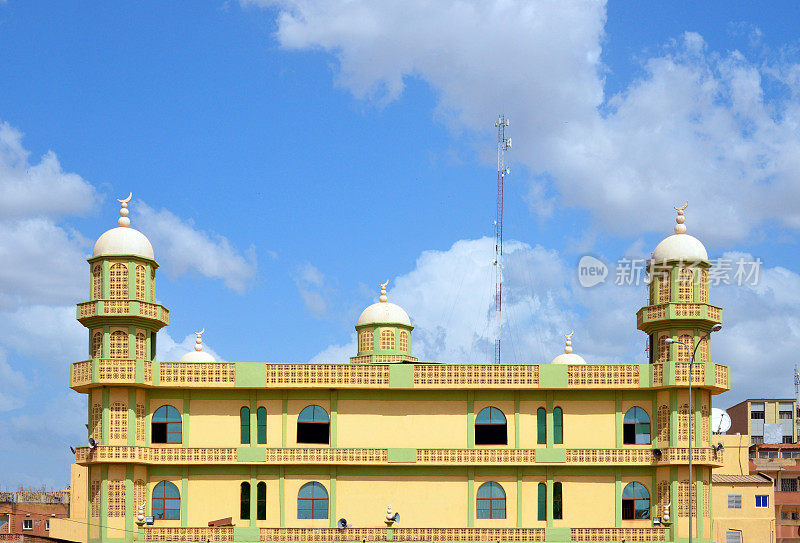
column 37, row 189
column 336, row 354
column 14, row 388
column 697, row 125
column 168, row 349
column 311, row 287
column 49, row 334
column 183, row 248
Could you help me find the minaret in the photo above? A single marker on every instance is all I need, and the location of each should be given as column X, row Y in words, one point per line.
column 679, row 297
column 123, row 318
column 384, row 333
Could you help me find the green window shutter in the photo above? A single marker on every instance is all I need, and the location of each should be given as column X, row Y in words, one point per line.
column 541, row 426
column 558, row 426
column 244, row 415
column 262, row 425
column 542, row 501
column 557, row 512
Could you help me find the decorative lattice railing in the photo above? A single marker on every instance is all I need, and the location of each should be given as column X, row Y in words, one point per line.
column 604, row 375
column 339, row 375
column 632, row 535
column 484, row 375
column 522, row 535
column 476, row 456
column 198, row 373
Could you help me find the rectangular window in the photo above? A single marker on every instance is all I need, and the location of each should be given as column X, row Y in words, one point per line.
column 733, row 537
column 757, row 440
column 785, row 414
column 762, row 501
column 794, row 515
column 784, row 515
column 734, row 501
column 757, row 415
column 788, row 485
column 787, row 439
column 27, row 524
column 47, row 525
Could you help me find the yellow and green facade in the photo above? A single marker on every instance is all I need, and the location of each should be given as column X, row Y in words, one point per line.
column 399, row 433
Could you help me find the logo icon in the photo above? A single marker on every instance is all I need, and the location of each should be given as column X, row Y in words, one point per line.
column 591, row 271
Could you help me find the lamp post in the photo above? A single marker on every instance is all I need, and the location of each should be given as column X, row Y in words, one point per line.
column 692, row 353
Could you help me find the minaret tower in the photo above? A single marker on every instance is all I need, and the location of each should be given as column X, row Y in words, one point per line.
column 123, row 318
column 679, row 305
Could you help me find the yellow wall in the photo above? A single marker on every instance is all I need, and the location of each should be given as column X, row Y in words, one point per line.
column 757, row 525
column 375, row 423
column 578, row 493
column 587, row 424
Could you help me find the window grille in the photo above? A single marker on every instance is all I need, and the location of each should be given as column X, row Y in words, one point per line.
column 788, row 485
column 387, row 339
column 366, row 341
column 97, row 344
column 663, row 347
column 118, row 421
column 141, row 345
column 684, row 352
column 153, row 286
column 140, row 282
column 139, row 493
column 663, row 287
column 703, row 286
column 116, row 498
column 663, row 424
column 139, row 423
column 94, row 498
column 404, row 341
column 686, row 285
column 97, row 422
column 97, row 282
column 683, row 422
column 119, row 344
column 119, row 281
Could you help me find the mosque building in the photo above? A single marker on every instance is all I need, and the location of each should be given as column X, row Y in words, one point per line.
column 387, row 448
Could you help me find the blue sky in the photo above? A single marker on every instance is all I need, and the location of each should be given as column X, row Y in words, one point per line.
column 286, row 157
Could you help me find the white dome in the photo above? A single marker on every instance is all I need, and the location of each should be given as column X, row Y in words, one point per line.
column 197, row 356
column 384, row 312
column 568, row 358
column 680, row 247
column 123, row 241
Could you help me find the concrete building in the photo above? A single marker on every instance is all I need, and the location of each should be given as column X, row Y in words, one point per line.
column 765, row 420
column 781, row 462
column 743, row 501
column 26, row 514
column 246, row 452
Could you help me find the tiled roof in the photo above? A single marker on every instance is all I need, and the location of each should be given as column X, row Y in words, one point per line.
column 720, row 478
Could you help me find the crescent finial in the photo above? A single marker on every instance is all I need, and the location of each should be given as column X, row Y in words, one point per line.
column 126, row 200
column 200, row 333
column 683, row 207
column 383, row 285
column 569, row 336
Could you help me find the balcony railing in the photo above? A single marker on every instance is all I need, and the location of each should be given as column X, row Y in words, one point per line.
column 99, row 308
column 678, row 310
column 361, row 456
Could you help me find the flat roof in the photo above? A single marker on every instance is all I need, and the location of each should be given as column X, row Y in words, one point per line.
column 758, row 478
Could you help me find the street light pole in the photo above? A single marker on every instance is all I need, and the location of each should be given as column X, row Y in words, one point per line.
column 692, row 353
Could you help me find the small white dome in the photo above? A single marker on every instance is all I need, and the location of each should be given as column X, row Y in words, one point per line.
column 568, row 358
column 123, row 241
column 680, row 247
column 384, row 312
column 197, row 356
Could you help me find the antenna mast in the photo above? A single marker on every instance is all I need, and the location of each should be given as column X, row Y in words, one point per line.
column 503, row 144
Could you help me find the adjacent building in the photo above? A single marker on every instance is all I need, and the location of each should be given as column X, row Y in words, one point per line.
column 765, row 420
column 781, row 462
column 25, row 515
column 231, row 451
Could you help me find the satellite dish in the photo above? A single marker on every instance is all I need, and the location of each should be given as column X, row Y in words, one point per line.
column 342, row 524
column 92, row 443
column 720, row 420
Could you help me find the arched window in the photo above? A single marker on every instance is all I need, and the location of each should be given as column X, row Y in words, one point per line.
column 541, row 426
column 312, row 501
column 387, row 339
column 244, row 425
column 541, row 495
column 166, row 426
column 663, row 348
column 261, row 415
column 663, row 286
column 313, row 425
column 490, row 427
column 153, row 286
column 141, row 345
column 404, row 341
column 119, row 281
column 261, row 501
column 97, row 282
column 636, row 427
column 166, row 501
column 244, row 501
column 558, row 512
column 140, row 286
column 635, row 502
column 119, row 344
column 366, row 340
column 558, row 426
column 97, row 344
column 491, row 501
